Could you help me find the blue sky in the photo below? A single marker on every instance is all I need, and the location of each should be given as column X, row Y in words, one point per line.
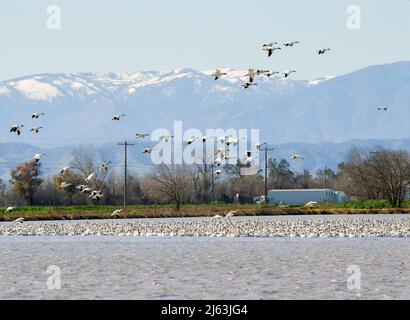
column 130, row 35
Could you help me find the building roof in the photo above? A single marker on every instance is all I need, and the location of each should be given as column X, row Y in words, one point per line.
column 301, row 190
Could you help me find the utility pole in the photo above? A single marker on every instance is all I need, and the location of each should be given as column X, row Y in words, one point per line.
column 213, row 184
column 266, row 149
column 125, row 144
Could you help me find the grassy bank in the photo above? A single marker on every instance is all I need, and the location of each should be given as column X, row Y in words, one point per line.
column 166, row 211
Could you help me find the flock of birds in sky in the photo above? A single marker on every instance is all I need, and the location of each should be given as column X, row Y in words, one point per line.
column 270, row 48
column 221, row 155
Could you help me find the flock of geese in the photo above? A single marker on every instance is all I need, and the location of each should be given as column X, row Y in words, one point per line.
column 220, row 156
column 270, row 48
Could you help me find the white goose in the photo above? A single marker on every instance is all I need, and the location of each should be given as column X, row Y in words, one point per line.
column 166, row 138
column 287, row 73
column 190, row 140
column 383, row 108
column 17, row 128
column 37, row 157
column 90, row 177
column 251, row 74
column 117, row 117
column 36, row 115
column 36, row 129
column 64, row 185
column 18, row 220
column 81, row 187
column 296, row 157
column 322, row 51
column 290, row 43
column 141, row 135
column 218, row 172
column 246, row 85
column 217, row 74
column 65, row 170
column 271, row 49
column 147, row 150
column 247, row 159
column 10, row 209
column 116, row 213
column 104, row 166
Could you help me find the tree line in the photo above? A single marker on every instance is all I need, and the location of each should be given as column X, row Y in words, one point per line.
column 377, row 174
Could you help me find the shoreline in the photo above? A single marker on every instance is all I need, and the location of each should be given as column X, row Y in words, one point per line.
column 192, row 212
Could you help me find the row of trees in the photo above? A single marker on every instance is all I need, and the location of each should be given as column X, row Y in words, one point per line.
column 383, row 174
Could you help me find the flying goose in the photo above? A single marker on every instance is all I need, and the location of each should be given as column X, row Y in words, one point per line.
column 18, row 220
column 17, row 128
column 96, row 195
column 116, row 213
column 290, row 43
column 140, row 135
column 251, row 74
column 217, row 74
column 270, row 49
column 38, row 156
column 247, row 159
column 322, row 51
column 65, row 169
column 190, row 140
column 86, row 190
column 166, row 138
column 218, row 172
column 296, row 157
column 230, row 214
column 259, row 145
column 271, row 73
column 117, row 117
column 65, row 185
column 104, row 166
column 383, row 108
column 147, row 150
column 90, row 177
column 311, row 204
column 36, row 115
column 81, row 187
column 246, row 85
column 9, row 209
column 287, row 73
column 36, row 129
column 203, row 138
column 270, row 44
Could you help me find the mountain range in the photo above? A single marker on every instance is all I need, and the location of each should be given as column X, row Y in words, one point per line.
column 319, row 118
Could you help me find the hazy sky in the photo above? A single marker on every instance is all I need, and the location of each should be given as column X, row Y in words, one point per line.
column 130, row 35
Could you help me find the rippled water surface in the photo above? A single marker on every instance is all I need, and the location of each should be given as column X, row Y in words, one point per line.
column 203, row 268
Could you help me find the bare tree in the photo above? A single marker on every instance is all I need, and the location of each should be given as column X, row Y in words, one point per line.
column 170, row 183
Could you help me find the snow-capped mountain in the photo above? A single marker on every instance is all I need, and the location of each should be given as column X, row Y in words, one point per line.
column 79, row 107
